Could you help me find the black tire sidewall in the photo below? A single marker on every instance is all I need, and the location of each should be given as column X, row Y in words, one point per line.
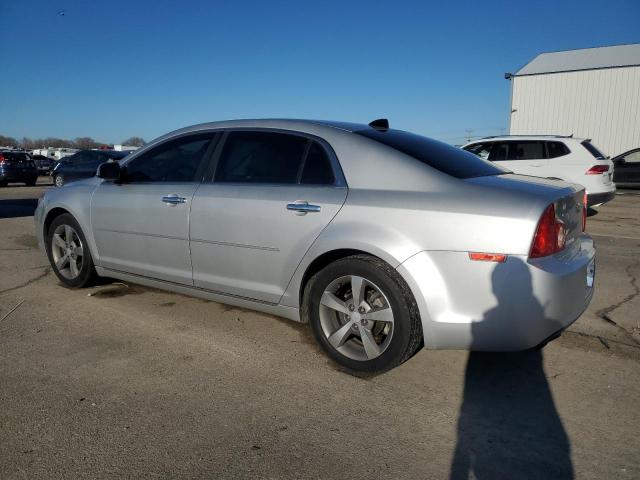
column 389, row 282
column 87, row 272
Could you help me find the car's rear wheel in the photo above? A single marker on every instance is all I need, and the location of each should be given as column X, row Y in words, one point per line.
column 68, row 252
column 58, row 180
column 362, row 314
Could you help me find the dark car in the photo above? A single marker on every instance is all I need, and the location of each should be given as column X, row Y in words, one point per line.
column 82, row 164
column 17, row 167
column 44, row 164
column 626, row 169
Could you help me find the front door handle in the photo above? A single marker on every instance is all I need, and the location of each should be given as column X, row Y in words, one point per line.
column 302, row 208
column 173, row 199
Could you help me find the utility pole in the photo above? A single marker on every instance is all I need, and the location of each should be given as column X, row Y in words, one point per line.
column 468, row 134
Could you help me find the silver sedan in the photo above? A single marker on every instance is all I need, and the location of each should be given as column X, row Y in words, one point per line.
column 383, row 240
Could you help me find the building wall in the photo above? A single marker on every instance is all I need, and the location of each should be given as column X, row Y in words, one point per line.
column 603, row 105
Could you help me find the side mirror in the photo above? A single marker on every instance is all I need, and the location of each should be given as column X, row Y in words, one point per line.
column 109, row 171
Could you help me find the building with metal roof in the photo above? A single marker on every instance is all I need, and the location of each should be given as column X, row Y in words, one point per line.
column 591, row 93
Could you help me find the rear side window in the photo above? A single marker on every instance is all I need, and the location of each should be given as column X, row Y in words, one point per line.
column 593, row 150
column 557, row 149
column 445, row 158
column 175, row 161
column 518, row 150
column 270, row 157
column 317, row 167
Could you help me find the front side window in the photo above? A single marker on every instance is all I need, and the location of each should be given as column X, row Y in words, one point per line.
column 483, row 150
column 633, row 157
column 174, row 161
column 261, row 157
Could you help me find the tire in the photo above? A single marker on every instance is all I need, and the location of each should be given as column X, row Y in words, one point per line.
column 393, row 321
column 58, row 180
column 85, row 273
column 32, row 183
column 4, row 183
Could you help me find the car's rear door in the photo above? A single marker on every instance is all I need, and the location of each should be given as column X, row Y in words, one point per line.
column 141, row 225
column 268, row 199
column 526, row 157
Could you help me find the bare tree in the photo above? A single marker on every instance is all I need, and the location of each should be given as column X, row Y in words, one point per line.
column 8, row 141
column 85, row 143
column 134, row 141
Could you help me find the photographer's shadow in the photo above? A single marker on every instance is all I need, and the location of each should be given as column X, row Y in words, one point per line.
column 508, row 425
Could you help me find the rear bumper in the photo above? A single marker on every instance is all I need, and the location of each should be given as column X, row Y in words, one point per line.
column 508, row 306
column 594, row 199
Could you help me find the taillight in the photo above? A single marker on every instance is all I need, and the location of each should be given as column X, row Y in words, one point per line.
column 3, row 161
column 550, row 236
column 597, row 170
column 584, row 211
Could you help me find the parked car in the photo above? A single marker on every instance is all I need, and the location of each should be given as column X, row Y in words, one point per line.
column 82, row 164
column 570, row 159
column 626, row 170
column 16, row 166
column 44, row 164
column 383, row 240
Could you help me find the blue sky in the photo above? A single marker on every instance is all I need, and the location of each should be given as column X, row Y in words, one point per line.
column 113, row 69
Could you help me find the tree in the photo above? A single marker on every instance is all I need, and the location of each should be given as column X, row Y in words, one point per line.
column 85, row 143
column 134, row 142
column 8, row 141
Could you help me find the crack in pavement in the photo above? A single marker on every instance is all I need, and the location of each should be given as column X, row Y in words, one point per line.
column 28, row 282
column 604, row 312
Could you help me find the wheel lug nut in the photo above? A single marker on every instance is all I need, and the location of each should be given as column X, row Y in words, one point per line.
column 352, row 308
column 364, row 321
column 361, row 309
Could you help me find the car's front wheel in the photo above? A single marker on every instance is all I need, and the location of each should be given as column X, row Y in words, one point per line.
column 58, row 180
column 69, row 253
column 363, row 314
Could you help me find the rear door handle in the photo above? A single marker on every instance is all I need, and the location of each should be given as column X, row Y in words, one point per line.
column 302, row 208
column 173, row 199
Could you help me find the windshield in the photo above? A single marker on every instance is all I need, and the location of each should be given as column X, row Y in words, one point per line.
column 441, row 156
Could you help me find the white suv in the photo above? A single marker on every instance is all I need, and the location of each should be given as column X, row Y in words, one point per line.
column 570, row 159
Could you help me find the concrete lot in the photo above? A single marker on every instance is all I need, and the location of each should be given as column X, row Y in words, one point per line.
column 124, row 381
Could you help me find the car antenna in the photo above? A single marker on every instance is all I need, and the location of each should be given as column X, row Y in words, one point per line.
column 380, row 124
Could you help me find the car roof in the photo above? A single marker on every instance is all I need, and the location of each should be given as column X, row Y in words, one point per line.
column 526, row 137
column 276, row 123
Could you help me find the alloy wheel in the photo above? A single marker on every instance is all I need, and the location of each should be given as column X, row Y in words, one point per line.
column 356, row 318
column 67, row 251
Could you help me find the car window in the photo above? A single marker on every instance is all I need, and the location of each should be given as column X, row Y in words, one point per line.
column 633, row 157
column 483, row 150
column 173, row 161
column 593, row 150
column 261, row 157
column 317, row 167
column 518, row 150
column 445, row 158
column 557, row 149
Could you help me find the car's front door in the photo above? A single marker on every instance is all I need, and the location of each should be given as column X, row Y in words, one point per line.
column 626, row 169
column 141, row 225
column 270, row 197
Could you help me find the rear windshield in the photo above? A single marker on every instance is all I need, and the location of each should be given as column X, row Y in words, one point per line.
column 15, row 156
column 445, row 158
column 593, row 150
